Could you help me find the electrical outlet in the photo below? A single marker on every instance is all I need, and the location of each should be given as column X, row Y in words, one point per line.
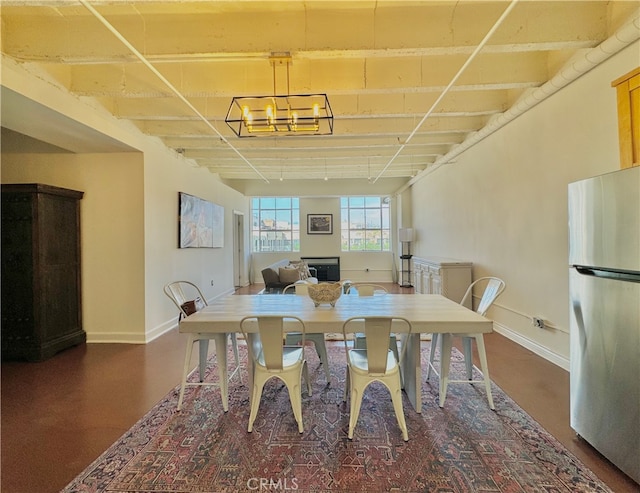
column 538, row 323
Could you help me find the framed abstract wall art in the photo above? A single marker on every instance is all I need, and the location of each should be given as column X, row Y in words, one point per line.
column 200, row 223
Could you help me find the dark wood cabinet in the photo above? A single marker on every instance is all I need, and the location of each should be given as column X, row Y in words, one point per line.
column 327, row 268
column 41, row 291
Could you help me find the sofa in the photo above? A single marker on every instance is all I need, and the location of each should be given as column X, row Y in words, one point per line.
column 280, row 274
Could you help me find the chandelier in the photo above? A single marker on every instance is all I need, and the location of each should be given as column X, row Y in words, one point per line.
column 290, row 114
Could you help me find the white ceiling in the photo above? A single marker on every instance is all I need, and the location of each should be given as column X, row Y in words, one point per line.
column 408, row 81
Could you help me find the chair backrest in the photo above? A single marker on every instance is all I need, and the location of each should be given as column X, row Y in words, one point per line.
column 377, row 331
column 367, row 289
column 300, row 288
column 269, row 341
column 494, row 288
column 181, row 292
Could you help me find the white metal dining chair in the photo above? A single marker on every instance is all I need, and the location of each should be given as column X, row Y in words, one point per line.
column 273, row 359
column 369, row 289
column 376, row 363
column 302, row 289
column 494, row 288
column 189, row 298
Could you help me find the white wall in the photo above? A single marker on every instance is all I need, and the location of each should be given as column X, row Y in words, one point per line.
column 129, row 216
column 503, row 204
column 210, row 268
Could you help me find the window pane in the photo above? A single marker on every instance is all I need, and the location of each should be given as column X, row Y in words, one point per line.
column 344, row 240
column 386, row 240
column 372, row 241
column 267, row 220
column 356, row 219
column 344, row 218
column 283, row 203
column 356, row 242
column 372, row 202
column 268, row 203
column 283, row 219
column 356, row 201
column 373, row 218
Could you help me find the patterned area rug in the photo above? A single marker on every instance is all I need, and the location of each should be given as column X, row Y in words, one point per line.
column 464, row 447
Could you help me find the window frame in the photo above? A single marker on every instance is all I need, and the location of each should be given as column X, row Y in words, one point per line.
column 371, row 230
column 285, row 231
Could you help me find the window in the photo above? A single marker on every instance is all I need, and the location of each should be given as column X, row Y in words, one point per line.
column 365, row 224
column 275, row 224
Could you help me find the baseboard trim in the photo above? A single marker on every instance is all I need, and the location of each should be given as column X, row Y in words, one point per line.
column 532, row 346
column 161, row 330
column 115, row 338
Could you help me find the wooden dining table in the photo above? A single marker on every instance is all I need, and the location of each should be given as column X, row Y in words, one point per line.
column 428, row 313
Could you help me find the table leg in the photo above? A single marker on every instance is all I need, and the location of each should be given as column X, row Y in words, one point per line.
column 204, row 355
column 221, row 355
column 412, row 370
column 185, row 369
column 445, row 363
column 250, row 340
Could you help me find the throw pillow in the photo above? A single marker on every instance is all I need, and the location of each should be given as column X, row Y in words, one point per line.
column 303, row 268
column 288, row 275
column 270, row 276
column 192, row 306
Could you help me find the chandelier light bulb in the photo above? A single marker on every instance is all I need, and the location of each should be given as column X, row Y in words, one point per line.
column 270, row 114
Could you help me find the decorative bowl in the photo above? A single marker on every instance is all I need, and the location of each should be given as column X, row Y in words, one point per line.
column 324, row 292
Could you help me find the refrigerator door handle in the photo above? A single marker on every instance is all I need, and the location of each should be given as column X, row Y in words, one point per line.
column 608, row 274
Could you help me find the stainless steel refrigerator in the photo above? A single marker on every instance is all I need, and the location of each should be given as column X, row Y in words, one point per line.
column 604, row 258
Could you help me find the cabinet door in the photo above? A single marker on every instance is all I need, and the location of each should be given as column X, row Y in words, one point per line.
column 436, row 281
column 59, row 307
column 424, row 280
column 628, row 93
column 418, row 275
column 18, row 321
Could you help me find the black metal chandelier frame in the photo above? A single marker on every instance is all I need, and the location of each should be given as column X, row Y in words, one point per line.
column 290, row 114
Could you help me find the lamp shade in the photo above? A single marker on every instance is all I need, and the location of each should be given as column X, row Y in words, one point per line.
column 405, row 234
